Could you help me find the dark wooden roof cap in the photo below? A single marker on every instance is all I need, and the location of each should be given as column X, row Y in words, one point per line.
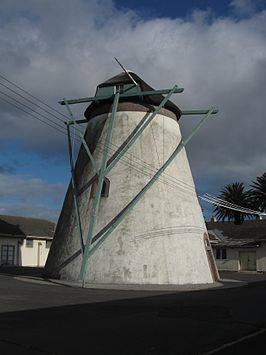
column 147, row 102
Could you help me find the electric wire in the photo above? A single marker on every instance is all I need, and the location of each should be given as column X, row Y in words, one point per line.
column 149, row 166
column 34, row 97
column 30, row 114
column 227, row 202
column 75, row 128
column 218, row 200
column 154, row 168
column 151, row 169
column 149, row 173
column 173, row 184
column 231, row 206
column 34, row 103
column 31, row 109
column 238, row 209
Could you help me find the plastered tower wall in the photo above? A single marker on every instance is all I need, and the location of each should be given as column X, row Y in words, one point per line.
column 161, row 240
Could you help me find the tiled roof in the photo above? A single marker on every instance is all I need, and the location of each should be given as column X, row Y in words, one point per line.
column 250, row 233
column 24, row 226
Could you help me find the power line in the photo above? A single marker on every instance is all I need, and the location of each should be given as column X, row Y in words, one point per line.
column 151, row 167
column 34, row 103
column 28, row 107
column 34, row 97
column 28, row 113
column 228, row 205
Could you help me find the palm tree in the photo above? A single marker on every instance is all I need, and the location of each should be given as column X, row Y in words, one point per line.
column 258, row 192
column 234, row 193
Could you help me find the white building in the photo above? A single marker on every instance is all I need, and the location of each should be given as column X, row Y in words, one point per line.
column 25, row 241
column 162, row 240
column 239, row 247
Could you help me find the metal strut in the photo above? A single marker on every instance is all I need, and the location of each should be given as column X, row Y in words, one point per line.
column 73, row 181
column 100, row 181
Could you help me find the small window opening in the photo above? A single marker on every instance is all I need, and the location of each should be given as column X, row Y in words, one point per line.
column 105, row 188
column 221, row 253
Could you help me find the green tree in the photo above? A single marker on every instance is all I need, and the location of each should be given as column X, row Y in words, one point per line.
column 233, row 193
column 258, row 193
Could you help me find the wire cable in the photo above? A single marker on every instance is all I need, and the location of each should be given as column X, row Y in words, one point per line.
column 31, row 109
column 34, row 97
column 226, row 205
column 216, row 199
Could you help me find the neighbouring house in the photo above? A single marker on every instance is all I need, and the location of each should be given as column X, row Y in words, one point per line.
column 25, row 241
column 239, row 247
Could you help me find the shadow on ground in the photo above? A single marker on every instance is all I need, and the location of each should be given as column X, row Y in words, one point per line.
column 84, row 321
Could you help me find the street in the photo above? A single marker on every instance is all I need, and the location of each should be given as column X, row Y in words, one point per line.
column 38, row 317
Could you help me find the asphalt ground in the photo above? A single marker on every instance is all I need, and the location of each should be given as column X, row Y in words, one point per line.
column 40, row 317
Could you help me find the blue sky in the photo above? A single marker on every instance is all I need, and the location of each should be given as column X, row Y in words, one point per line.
column 216, row 50
column 182, row 9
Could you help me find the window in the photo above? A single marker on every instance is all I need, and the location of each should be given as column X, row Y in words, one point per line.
column 221, row 253
column 7, row 255
column 105, row 188
column 29, row 243
column 48, row 244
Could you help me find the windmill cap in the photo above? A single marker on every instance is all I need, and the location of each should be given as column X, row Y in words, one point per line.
column 147, row 100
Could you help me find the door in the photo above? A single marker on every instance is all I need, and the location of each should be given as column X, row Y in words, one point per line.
column 7, row 255
column 247, row 260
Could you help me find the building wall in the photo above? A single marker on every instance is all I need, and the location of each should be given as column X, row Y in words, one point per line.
column 35, row 255
column 161, row 240
column 232, row 263
column 261, row 258
column 25, row 255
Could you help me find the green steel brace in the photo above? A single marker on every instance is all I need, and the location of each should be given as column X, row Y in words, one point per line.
column 97, row 197
column 136, row 199
column 89, row 154
column 138, row 133
column 74, row 189
column 123, row 95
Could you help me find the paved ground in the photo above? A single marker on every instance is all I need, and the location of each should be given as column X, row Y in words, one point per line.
column 44, row 318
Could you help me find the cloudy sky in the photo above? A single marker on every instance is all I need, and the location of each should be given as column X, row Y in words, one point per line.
column 216, row 50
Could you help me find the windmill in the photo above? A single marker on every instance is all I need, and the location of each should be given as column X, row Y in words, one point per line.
column 131, row 213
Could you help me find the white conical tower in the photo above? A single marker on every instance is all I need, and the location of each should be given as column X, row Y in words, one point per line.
column 161, row 240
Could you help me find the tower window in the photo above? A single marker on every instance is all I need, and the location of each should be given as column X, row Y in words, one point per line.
column 105, row 188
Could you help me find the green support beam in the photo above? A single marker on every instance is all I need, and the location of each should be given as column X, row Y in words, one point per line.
column 74, row 189
column 100, row 181
column 196, row 112
column 124, row 95
column 93, row 162
column 138, row 133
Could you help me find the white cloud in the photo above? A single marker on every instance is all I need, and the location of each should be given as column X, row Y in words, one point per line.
column 29, row 210
column 243, row 7
column 26, row 188
column 64, row 49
